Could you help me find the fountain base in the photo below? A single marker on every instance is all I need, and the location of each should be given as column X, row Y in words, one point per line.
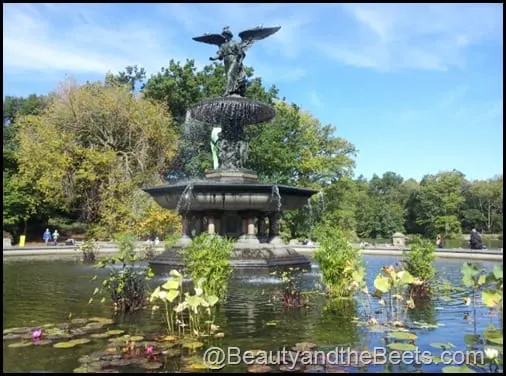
column 246, row 255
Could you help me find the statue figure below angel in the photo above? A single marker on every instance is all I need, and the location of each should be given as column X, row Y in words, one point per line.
column 233, row 53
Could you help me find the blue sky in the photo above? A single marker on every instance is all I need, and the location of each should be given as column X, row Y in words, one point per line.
column 417, row 88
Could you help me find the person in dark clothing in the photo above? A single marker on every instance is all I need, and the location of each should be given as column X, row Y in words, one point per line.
column 475, row 241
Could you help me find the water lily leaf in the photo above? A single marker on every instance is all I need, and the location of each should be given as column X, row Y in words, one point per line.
column 193, row 345
column 107, row 370
column 171, row 295
column 59, row 337
column 402, row 335
column 455, row 369
column 80, row 341
column 471, row 339
column 151, row 365
column 64, row 345
column 314, row 369
column 334, row 369
column 20, row 344
column 289, row 368
column 304, row 346
column 20, row 330
column 11, row 336
column 121, row 362
column 103, row 320
column 115, row 332
column 259, row 368
column 171, row 284
column 271, row 323
column 79, row 321
column 42, row 342
column 496, row 340
column 45, row 326
column 165, row 338
column 442, row 346
column 100, row 335
column 491, row 298
column 10, row 330
column 80, row 370
column 399, row 346
column 382, row 283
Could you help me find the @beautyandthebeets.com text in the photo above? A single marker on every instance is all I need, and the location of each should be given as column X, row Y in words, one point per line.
column 217, row 357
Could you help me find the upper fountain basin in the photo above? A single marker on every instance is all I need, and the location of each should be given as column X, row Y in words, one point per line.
column 229, row 196
column 233, row 111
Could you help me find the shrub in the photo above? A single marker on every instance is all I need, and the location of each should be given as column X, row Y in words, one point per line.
column 125, row 286
column 338, row 260
column 207, row 259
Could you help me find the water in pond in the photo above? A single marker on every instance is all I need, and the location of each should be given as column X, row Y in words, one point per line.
column 40, row 292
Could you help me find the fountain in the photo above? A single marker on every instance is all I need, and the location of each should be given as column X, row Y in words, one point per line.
column 231, row 201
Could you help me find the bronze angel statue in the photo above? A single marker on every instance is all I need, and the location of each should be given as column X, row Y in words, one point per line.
column 233, row 53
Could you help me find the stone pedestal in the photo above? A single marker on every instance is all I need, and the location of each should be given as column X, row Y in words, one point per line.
column 248, row 235
column 274, row 228
column 185, row 238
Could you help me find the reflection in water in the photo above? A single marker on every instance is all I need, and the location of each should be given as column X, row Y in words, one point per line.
column 40, row 292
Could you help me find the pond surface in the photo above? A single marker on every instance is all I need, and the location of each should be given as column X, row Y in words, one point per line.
column 41, row 292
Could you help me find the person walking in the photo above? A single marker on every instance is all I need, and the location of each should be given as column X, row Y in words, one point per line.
column 56, row 235
column 46, row 236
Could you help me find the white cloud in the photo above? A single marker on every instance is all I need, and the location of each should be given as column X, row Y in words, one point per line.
column 76, row 39
column 416, row 36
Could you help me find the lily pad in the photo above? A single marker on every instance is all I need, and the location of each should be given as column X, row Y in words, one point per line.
column 102, row 320
column 107, row 370
column 165, row 338
column 64, row 345
column 402, row 335
column 80, row 341
column 271, row 323
column 11, row 336
column 121, row 362
column 334, row 369
column 115, row 332
column 496, row 340
column 79, row 321
column 455, row 369
column 136, row 338
column 399, row 346
column 20, row 344
column 193, row 345
column 42, row 342
column 58, row 337
column 171, row 353
column 63, row 325
column 78, row 332
column 314, row 369
column 289, row 369
column 304, row 346
column 46, row 326
column 100, row 335
column 20, row 330
column 151, row 365
column 259, row 368
column 80, row 370
column 442, row 346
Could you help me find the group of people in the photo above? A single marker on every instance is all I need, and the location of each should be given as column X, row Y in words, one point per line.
column 48, row 237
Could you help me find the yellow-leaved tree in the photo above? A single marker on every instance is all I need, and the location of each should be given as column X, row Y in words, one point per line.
column 93, row 149
column 157, row 221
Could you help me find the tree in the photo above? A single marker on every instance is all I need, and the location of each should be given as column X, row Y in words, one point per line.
column 92, row 149
column 484, row 200
column 131, row 78
column 439, row 202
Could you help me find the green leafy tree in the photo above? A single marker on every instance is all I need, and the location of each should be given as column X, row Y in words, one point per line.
column 92, row 149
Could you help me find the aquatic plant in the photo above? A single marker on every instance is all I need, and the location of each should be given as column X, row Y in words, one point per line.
column 89, row 250
column 338, row 260
column 183, row 310
column 207, row 259
column 125, row 286
column 419, row 262
column 395, row 283
column 292, row 296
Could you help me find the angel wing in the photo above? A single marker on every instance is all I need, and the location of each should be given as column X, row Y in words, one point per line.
column 216, row 39
column 258, row 33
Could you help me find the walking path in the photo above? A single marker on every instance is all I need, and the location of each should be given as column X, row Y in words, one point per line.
column 108, row 248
